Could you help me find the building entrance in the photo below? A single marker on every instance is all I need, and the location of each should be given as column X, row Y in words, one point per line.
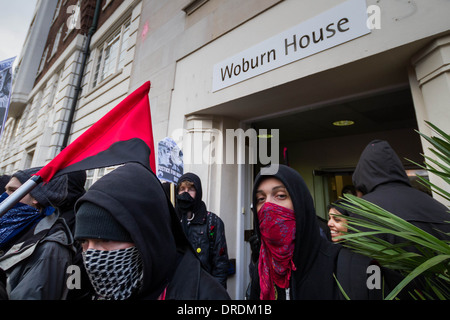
column 324, row 143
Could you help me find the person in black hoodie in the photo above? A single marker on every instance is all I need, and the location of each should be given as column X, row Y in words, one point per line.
column 294, row 261
column 66, row 209
column 204, row 229
column 381, row 178
column 128, row 226
column 36, row 246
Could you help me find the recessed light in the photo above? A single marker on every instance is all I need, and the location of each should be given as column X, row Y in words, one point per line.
column 343, row 123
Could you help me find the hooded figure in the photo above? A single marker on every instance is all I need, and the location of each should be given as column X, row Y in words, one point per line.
column 130, row 205
column 46, row 194
column 66, row 209
column 204, row 229
column 380, row 176
column 293, row 255
column 36, row 244
column 75, row 189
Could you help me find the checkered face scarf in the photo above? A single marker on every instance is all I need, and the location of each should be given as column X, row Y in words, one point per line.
column 114, row 274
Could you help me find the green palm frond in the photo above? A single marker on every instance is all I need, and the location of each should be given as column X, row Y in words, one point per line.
column 440, row 147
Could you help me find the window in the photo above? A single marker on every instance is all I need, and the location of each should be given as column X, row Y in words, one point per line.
column 193, row 5
column 34, row 108
column 58, row 8
column 111, row 55
column 107, row 3
column 94, row 174
column 54, row 95
column 56, row 43
column 29, row 155
column 43, row 60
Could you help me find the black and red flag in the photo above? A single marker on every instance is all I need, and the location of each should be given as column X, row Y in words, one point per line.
column 123, row 135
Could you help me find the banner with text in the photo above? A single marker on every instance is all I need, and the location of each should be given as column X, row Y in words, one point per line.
column 170, row 161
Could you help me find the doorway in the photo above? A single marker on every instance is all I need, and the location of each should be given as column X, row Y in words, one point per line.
column 334, row 183
column 325, row 154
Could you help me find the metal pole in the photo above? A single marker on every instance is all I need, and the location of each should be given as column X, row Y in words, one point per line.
column 15, row 197
column 172, row 193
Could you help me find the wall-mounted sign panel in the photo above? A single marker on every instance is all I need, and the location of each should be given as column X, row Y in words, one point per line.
column 340, row 24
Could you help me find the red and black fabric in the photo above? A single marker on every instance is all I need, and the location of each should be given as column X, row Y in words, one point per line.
column 123, row 135
column 277, row 226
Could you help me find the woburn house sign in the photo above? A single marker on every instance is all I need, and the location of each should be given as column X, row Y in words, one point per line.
column 339, row 24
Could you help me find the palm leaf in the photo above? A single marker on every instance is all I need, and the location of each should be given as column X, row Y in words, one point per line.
column 420, row 269
column 431, row 258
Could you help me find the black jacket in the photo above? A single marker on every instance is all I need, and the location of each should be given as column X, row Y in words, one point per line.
column 75, row 189
column 206, row 234
column 136, row 199
column 315, row 258
column 380, row 175
column 36, row 266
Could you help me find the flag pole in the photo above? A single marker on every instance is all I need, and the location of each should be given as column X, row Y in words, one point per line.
column 172, row 193
column 15, row 197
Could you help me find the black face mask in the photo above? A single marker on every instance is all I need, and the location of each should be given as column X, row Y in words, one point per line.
column 185, row 201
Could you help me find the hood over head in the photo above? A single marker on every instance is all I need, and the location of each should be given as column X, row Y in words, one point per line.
column 195, row 179
column 199, row 205
column 75, row 187
column 135, row 198
column 307, row 234
column 377, row 165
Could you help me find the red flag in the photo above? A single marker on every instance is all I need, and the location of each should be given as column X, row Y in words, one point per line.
column 122, row 135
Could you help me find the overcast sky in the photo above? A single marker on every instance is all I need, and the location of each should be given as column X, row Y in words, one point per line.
column 15, row 19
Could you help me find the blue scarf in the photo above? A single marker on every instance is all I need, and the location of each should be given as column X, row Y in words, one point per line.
column 18, row 218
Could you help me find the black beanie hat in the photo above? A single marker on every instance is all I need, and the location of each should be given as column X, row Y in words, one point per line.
column 94, row 222
column 52, row 193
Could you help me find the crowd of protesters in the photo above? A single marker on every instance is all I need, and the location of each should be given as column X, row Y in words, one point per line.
column 125, row 239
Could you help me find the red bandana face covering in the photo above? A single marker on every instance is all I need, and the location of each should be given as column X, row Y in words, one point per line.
column 277, row 227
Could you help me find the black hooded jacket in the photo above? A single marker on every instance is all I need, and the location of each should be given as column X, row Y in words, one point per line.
column 315, row 258
column 75, row 189
column 206, row 233
column 380, row 176
column 136, row 199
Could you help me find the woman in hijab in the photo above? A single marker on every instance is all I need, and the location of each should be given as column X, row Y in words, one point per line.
column 295, row 261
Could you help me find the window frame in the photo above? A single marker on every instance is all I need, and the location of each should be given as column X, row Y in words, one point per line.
column 56, row 42
column 43, row 60
column 98, row 62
